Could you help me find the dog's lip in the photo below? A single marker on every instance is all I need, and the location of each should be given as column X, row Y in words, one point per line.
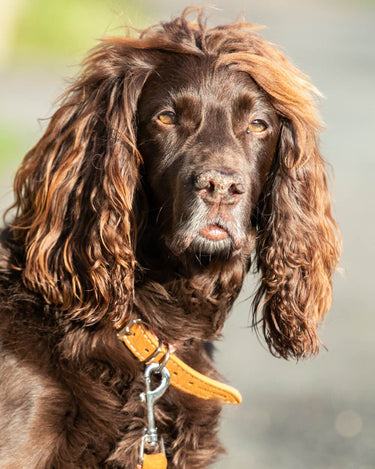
column 214, row 232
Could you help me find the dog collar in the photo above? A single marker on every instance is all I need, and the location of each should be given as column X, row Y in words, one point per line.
column 146, row 347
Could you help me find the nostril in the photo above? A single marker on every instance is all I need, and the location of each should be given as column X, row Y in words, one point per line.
column 236, row 189
column 211, row 186
column 204, row 182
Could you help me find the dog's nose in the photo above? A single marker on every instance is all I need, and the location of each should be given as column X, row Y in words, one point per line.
column 215, row 186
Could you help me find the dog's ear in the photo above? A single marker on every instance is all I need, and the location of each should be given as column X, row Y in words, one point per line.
column 74, row 190
column 298, row 245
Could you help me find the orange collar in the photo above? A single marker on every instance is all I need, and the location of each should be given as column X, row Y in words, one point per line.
column 144, row 345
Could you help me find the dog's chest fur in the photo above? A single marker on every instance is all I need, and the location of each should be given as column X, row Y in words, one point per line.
column 72, row 393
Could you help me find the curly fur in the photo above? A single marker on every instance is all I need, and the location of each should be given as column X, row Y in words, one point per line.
column 91, row 244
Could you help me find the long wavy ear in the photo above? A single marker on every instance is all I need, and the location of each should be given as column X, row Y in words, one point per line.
column 74, row 190
column 298, row 244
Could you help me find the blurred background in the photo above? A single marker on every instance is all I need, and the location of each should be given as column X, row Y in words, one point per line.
column 318, row 414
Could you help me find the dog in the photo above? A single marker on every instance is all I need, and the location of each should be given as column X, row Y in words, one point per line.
column 175, row 162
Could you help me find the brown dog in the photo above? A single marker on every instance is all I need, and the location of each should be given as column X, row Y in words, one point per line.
column 173, row 160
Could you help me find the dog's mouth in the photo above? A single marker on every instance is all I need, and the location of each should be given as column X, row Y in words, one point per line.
column 214, row 233
column 213, row 239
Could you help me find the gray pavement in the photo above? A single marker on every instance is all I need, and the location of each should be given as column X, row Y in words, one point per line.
column 318, row 414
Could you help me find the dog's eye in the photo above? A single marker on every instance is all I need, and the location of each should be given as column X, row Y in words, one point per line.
column 167, row 118
column 257, row 127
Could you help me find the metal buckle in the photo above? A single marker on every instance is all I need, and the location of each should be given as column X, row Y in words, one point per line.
column 125, row 330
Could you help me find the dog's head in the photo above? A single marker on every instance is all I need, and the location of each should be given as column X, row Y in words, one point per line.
column 208, row 135
column 221, row 132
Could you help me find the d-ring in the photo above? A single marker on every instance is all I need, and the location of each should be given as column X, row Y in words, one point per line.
column 163, row 361
column 163, row 364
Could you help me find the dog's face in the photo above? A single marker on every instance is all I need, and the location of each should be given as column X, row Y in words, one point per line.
column 207, row 136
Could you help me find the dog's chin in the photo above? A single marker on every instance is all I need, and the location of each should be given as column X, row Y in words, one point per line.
column 213, row 242
column 204, row 250
column 202, row 247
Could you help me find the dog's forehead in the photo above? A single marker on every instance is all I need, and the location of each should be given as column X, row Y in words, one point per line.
column 183, row 74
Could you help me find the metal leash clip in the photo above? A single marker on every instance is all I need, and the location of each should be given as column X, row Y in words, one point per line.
column 151, row 438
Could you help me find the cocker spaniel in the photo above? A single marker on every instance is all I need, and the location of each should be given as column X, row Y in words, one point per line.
column 175, row 162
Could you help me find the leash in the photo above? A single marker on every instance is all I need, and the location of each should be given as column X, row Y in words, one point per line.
column 171, row 370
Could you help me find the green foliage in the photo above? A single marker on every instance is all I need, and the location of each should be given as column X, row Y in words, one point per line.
column 54, row 29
